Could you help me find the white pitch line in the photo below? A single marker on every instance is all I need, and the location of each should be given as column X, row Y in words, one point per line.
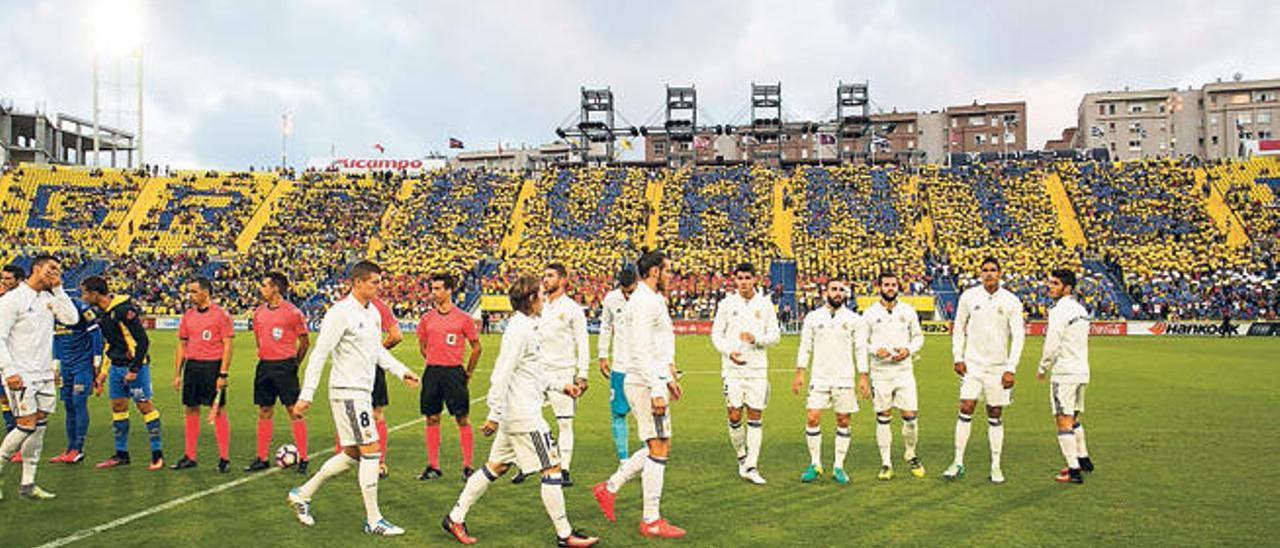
column 123, row 520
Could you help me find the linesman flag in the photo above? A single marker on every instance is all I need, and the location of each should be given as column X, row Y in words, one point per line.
column 455, row 143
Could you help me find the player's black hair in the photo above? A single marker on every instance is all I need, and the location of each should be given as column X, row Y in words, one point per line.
column 745, row 267
column 626, row 276
column 41, row 259
column 885, row 274
column 17, row 271
column 560, row 269
column 1067, row 277
column 990, row 260
column 522, row 293
column 364, row 269
column 649, row 261
column 96, row 284
column 204, row 284
column 446, row 278
column 279, row 280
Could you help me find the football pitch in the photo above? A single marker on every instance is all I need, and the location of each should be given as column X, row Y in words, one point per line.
column 1183, row 433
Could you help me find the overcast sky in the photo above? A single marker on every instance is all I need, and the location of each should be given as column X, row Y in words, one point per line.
column 411, row 74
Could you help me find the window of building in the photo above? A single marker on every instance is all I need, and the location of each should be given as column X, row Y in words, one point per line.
column 1135, row 145
column 1240, row 99
column 1009, row 138
column 1111, row 126
column 911, row 128
column 1112, row 146
column 1111, row 108
column 911, row 145
column 1102, row 110
column 1265, row 134
column 980, row 139
column 1214, row 140
column 1264, row 117
column 953, row 122
column 659, row 148
column 1244, row 118
column 976, row 120
column 804, row 154
column 1135, row 127
column 1213, row 120
column 1137, row 108
column 1264, row 96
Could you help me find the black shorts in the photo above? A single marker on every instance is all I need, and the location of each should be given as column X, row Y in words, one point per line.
column 441, row 386
column 200, row 382
column 380, row 388
column 276, row 379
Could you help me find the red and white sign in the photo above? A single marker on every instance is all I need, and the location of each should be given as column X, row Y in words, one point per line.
column 684, row 327
column 376, row 164
column 1264, row 147
column 1096, row 329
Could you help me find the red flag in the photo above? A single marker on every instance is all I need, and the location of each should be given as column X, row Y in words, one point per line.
column 378, row 147
column 455, row 143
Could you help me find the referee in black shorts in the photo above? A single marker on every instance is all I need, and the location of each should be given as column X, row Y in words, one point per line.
column 391, row 337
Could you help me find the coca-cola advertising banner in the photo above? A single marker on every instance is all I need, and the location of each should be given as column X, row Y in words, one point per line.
column 686, row 327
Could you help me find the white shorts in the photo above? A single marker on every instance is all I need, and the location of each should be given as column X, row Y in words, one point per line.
column 1066, row 398
column 843, row 399
column 33, row 397
column 989, row 385
column 530, row 451
column 648, row 426
column 562, row 405
column 751, row 393
column 353, row 421
column 893, row 391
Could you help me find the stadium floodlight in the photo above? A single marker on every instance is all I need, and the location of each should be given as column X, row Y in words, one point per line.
column 117, row 33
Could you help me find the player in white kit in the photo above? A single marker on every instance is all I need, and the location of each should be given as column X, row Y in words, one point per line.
column 517, row 391
column 1066, row 357
column 986, row 342
column 351, row 333
column 650, row 385
column 567, row 353
column 893, row 338
column 835, row 337
column 614, row 328
column 745, row 326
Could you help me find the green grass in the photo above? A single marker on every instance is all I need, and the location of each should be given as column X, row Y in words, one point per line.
column 1183, row 432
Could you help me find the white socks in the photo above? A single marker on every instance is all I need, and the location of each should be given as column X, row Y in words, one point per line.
column 1081, row 449
column 738, row 438
column 995, row 435
column 31, row 453
column 369, row 487
column 651, row 480
column 843, row 436
column 755, row 437
column 884, row 438
column 565, row 441
column 963, row 424
column 910, row 434
column 476, row 485
column 813, row 438
column 13, row 443
column 1067, row 442
column 629, row 469
column 553, row 501
column 336, row 464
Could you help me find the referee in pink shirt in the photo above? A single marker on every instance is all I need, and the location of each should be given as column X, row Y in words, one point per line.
column 441, row 334
column 281, row 332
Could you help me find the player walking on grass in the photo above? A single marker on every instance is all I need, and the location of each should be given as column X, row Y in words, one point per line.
column 986, row 342
column 129, row 375
column 745, row 325
column 1066, row 358
column 517, row 391
column 567, row 351
column 835, row 337
column 27, row 315
column 280, row 330
column 351, row 333
column 10, row 276
column 442, row 332
column 894, row 336
column 613, row 333
column 205, row 342
column 651, row 380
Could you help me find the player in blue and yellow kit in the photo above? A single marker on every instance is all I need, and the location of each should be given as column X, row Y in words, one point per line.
column 77, row 349
column 129, row 376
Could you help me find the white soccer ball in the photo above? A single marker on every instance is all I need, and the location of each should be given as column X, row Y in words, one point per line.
column 287, row 455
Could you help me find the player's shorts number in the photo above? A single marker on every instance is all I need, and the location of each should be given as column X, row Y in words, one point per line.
column 364, row 419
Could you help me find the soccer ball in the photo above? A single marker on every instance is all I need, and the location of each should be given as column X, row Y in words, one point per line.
column 287, row 455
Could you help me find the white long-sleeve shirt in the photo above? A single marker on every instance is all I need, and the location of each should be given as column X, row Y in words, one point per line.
column 26, row 330
column 1066, row 342
column 565, row 345
column 989, row 331
column 890, row 329
column 612, row 327
column 734, row 316
column 352, row 334
column 651, row 341
column 518, row 386
column 835, row 340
